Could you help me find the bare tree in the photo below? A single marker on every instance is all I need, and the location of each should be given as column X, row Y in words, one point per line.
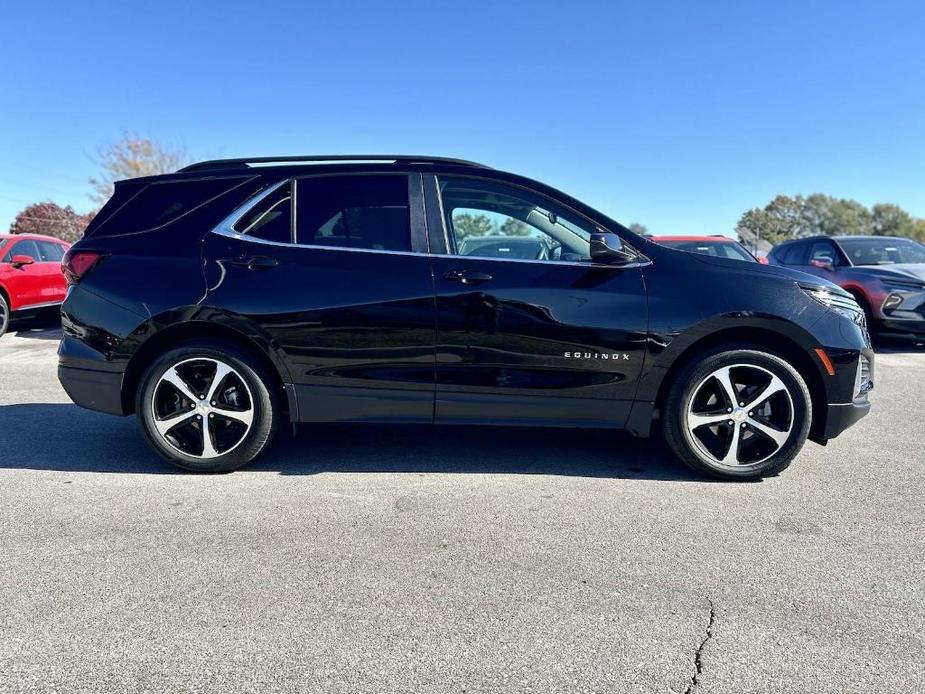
column 131, row 157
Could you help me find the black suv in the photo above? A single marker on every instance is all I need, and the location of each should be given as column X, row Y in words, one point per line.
column 222, row 300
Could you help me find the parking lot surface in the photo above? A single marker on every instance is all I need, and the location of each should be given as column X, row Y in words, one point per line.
column 390, row 559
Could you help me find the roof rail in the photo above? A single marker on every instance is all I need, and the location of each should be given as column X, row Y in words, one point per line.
column 320, row 158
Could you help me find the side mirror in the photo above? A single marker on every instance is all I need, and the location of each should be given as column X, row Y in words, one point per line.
column 19, row 260
column 823, row 265
column 607, row 247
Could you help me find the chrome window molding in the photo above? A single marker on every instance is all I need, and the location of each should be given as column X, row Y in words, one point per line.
column 226, row 228
column 243, row 237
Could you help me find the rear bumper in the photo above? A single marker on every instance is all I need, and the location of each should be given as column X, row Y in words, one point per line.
column 95, row 390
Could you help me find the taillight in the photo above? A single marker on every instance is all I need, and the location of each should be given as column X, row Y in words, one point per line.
column 76, row 264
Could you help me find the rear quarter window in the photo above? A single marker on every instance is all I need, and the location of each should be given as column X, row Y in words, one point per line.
column 157, row 203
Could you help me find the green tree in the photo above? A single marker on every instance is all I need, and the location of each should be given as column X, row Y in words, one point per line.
column 892, row 220
column 638, row 228
column 514, row 227
column 780, row 219
column 467, row 224
column 788, row 217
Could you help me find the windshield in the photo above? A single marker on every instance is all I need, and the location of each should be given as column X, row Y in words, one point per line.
column 720, row 249
column 885, row 251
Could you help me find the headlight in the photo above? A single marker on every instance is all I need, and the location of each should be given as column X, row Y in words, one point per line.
column 843, row 305
column 899, row 291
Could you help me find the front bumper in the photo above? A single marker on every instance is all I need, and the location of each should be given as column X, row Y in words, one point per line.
column 901, row 329
column 840, row 417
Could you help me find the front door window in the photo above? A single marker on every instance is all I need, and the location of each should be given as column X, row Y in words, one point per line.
column 487, row 220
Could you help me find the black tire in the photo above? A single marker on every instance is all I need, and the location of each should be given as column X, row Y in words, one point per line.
column 259, row 383
column 4, row 315
column 693, row 376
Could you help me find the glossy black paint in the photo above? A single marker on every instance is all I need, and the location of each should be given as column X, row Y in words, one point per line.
column 365, row 335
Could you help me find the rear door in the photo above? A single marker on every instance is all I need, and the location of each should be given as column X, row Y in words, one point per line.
column 334, row 271
column 529, row 330
column 54, row 286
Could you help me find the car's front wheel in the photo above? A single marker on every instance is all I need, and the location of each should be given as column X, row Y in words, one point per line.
column 4, row 315
column 737, row 414
column 207, row 406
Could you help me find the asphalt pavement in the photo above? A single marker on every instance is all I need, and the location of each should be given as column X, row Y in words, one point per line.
column 409, row 559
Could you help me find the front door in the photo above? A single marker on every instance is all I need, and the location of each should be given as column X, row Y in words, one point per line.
column 333, row 271
column 529, row 330
column 25, row 282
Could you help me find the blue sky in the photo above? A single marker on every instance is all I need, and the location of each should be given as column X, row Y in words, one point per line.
column 677, row 115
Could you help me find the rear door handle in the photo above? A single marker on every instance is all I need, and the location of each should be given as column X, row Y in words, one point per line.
column 259, row 262
column 466, row 276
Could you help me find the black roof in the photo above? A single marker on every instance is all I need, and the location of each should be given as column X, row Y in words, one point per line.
column 400, row 159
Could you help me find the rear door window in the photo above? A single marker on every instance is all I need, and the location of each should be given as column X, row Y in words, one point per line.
column 794, row 255
column 50, row 251
column 360, row 212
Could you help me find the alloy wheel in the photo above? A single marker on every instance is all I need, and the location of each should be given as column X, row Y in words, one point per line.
column 739, row 416
column 202, row 407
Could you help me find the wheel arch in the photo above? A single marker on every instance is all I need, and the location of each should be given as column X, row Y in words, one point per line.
column 861, row 296
column 174, row 334
column 763, row 339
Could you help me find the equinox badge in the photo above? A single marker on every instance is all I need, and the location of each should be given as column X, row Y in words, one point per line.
column 616, row 356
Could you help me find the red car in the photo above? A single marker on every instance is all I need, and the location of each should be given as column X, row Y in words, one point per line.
column 721, row 246
column 30, row 275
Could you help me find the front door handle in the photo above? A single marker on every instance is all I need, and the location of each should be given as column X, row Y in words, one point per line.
column 259, row 262
column 466, row 276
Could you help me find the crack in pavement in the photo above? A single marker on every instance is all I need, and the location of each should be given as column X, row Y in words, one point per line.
column 698, row 663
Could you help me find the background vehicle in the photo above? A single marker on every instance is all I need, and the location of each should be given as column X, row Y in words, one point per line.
column 719, row 246
column 218, row 301
column 30, row 275
column 886, row 275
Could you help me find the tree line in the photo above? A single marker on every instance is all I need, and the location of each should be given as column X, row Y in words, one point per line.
column 783, row 218
column 799, row 216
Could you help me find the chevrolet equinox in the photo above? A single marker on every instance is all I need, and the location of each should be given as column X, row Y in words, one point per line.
column 219, row 301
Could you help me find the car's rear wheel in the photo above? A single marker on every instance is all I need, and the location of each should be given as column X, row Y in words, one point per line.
column 737, row 414
column 207, row 406
column 4, row 315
